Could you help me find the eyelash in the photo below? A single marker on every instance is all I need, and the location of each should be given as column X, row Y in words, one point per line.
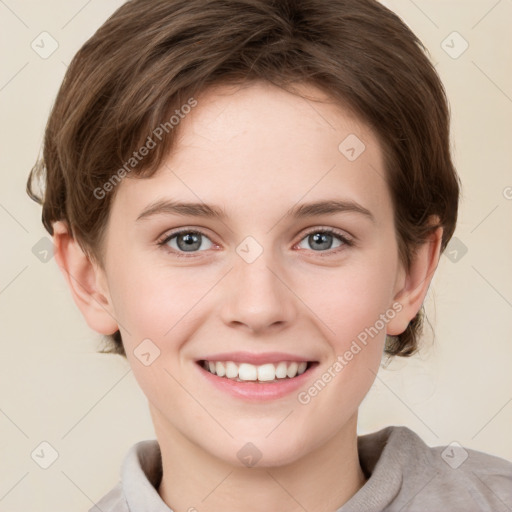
column 347, row 242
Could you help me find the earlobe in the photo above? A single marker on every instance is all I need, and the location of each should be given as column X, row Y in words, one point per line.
column 416, row 283
column 85, row 280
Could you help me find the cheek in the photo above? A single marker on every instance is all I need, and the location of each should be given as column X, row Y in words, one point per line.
column 352, row 300
column 152, row 303
column 350, row 309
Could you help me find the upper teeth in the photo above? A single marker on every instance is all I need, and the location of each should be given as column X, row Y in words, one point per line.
column 246, row 371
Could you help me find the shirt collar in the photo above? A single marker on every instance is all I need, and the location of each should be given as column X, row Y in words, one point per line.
column 141, row 474
column 380, row 454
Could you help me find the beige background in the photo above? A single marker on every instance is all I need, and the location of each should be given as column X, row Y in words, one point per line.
column 55, row 388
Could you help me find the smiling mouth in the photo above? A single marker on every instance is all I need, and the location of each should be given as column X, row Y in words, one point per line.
column 264, row 373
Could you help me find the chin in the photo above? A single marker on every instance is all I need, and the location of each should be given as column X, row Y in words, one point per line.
column 257, row 452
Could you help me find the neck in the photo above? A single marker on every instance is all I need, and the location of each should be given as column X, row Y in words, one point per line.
column 323, row 479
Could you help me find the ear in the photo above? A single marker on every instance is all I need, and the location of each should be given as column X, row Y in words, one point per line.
column 86, row 280
column 412, row 286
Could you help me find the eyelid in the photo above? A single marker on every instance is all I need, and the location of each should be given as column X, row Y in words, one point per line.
column 334, row 231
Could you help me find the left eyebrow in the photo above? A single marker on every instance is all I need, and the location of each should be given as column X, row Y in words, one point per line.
column 330, row 207
column 317, row 208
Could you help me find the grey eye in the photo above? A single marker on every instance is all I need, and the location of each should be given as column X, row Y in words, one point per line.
column 321, row 240
column 188, row 241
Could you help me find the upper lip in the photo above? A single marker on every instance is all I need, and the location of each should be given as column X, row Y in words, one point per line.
column 256, row 359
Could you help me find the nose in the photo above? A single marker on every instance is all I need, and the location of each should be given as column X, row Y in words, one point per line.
column 257, row 296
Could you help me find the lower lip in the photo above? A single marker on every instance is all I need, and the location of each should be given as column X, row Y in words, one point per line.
column 257, row 391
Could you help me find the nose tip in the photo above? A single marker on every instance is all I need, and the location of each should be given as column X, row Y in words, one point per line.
column 257, row 297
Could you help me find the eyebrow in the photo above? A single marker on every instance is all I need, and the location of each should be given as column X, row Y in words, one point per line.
column 326, row 207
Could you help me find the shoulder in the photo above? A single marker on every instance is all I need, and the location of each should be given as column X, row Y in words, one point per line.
column 435, row 477
column 113, row 501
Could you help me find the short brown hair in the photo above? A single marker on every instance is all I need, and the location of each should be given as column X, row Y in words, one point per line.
column 150, row 57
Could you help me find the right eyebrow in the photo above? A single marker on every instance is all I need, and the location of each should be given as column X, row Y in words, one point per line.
column 170, row 207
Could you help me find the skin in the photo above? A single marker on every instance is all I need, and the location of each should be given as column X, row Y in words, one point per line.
column 255, row 151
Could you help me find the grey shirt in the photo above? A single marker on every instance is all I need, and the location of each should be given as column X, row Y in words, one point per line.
column 404, row 475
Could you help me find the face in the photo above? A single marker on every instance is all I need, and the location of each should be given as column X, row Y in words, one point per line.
column 268, row 277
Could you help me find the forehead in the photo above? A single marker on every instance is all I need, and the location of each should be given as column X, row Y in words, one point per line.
column 259, row 148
